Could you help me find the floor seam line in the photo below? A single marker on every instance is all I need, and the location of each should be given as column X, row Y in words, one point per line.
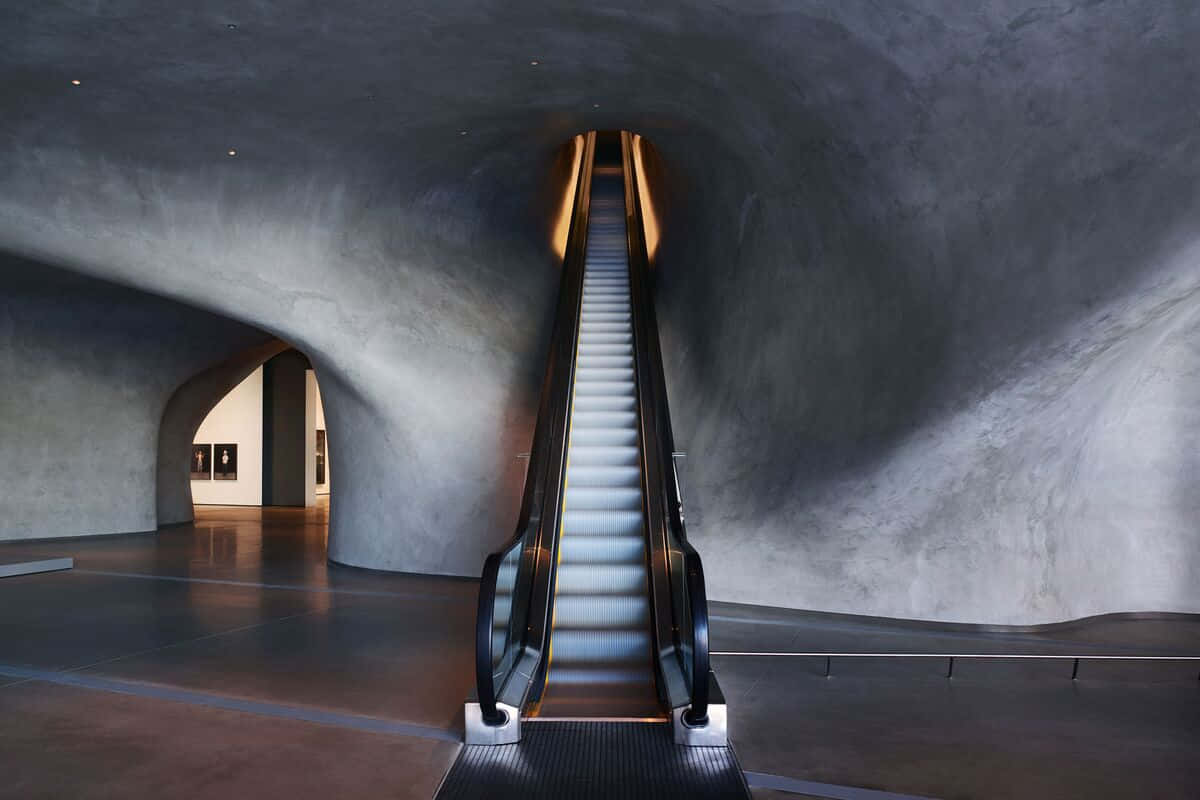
column 206, row 637
column 224, row 702
column 292, row 587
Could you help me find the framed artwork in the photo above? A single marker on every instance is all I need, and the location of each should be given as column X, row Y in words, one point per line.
column 224, row 459
column 320, row 457
column 201, row 464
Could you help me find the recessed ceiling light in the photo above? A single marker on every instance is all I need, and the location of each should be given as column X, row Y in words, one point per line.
column 231, row 152
column 75, row 82
column 534, row 63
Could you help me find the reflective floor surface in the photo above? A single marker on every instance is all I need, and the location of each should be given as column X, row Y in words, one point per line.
column 227, row 659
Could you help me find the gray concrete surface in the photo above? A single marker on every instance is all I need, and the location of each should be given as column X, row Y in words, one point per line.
column 928, row 291
column 88, row 370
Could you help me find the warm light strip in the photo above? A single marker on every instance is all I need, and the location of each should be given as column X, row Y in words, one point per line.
column 649, row 220
column 562, row 225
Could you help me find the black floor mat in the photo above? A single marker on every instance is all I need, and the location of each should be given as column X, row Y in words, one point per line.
column 601, row 760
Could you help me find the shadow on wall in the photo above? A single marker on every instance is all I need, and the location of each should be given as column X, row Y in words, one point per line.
column 892, row 365
column 89, row 368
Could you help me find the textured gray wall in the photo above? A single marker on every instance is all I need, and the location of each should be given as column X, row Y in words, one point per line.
column 936, row 356
column 88, row 369
column 917, row 258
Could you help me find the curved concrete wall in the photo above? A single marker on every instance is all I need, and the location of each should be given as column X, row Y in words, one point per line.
column 893, row 237
column 87, row 369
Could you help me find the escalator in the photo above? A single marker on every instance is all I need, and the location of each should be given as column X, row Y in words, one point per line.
column 592, row 634
column 600, row 652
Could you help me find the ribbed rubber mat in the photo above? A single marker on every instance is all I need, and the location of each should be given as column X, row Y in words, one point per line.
column 594, row 761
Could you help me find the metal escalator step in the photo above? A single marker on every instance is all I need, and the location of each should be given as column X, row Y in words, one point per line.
column 593, row 522
column 591, row 310
column 601, row 611
column 603, row 455
column 590, row 317
column 590, row 374
column 586, row 328
column 605, row 349
column 606, row 579
column 607, row 646
column 604, row 476
column 587, row 498
column 611, row 437
column 617, row 305
column 625, row 337
column 590, row 361
column 589, row 675
column 606, row 388
column 579, row 549
column 602, row 402
column 603, row 419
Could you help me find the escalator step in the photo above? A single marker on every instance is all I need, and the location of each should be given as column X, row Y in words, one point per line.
column 587, row 498
column 602, row 523
column 581, row 549
column 605, row 611
column 600, row 646
column 603, row 455
column 604, row 476
column 607, row 579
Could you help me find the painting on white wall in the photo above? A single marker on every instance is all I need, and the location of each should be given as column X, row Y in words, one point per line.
column 201, row 463
column 225, row 462
column 320, row 457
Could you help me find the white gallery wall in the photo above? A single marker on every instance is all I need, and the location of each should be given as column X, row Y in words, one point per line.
column 310, row 438
column 236, row 419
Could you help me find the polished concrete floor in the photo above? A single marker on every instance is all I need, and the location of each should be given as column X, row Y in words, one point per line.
column 227, row 659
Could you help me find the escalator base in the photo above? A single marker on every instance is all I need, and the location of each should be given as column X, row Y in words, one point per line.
column 601, row 760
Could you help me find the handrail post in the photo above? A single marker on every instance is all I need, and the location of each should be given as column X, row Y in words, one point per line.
column 484, row 658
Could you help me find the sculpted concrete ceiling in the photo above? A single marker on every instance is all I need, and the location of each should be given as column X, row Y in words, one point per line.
column 923, row 263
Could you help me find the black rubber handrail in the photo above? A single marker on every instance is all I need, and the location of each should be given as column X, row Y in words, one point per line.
column 547, row 461
column 663, row 502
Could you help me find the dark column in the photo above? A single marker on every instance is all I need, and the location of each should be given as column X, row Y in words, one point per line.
column 283, row 429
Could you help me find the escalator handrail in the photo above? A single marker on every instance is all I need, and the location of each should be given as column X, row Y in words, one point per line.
column 656, row 418
column 549, row 438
